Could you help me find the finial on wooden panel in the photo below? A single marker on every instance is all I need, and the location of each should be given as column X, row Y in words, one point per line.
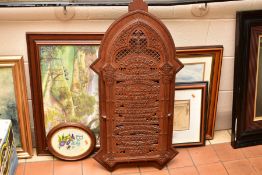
column 137, row 5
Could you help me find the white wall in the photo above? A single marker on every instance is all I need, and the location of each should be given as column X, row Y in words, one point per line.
column 215, row 28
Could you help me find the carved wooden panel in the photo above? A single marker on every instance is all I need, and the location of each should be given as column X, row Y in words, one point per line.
column 137, row 68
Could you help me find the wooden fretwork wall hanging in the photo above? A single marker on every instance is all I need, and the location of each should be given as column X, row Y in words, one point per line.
column 136, row 67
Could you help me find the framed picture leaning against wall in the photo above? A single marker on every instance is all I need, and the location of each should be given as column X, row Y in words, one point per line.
column 64, row 88
column 190, row 109
column 14, row 104
column 203, row 63
column 247, row 98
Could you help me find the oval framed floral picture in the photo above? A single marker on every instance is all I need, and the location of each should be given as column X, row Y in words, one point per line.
column 70, row 141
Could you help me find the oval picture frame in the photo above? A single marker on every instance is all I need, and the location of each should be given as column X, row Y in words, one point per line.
column 70, row 141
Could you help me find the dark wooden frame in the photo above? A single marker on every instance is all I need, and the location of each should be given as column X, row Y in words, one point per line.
column 16, row 63
column 216, row 52
column 246, row 131
column 34, row 39
column 204, row 88
column 71, row 125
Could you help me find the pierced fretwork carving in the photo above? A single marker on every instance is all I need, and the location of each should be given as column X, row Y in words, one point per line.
column 138, row 44
column 137, row 68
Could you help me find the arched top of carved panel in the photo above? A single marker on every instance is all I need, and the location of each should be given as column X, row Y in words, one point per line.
column 137, row 32
column 137, row 39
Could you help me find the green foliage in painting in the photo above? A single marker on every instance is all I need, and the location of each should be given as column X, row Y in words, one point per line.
column 84, row 104
column 89, row 50
column 69, row 86
column 8, row 108
column 53, row 116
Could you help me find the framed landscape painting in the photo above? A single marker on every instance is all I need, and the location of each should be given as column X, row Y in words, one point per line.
column 190, row 114
column 247, row 98
column 195, row 69
column 64, row 88
column 13, row 102
column 203, row 63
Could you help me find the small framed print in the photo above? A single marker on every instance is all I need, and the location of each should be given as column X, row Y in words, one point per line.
column 203, row 63
column 71, row 141
column 190, row 114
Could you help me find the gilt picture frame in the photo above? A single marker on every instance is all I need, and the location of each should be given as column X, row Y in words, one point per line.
column 203, row 63
column 190, row 109
column 63, row 87
column 247, row 94
column 14, row 104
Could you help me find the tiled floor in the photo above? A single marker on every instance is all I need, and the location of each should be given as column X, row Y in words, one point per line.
column 217, row 158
